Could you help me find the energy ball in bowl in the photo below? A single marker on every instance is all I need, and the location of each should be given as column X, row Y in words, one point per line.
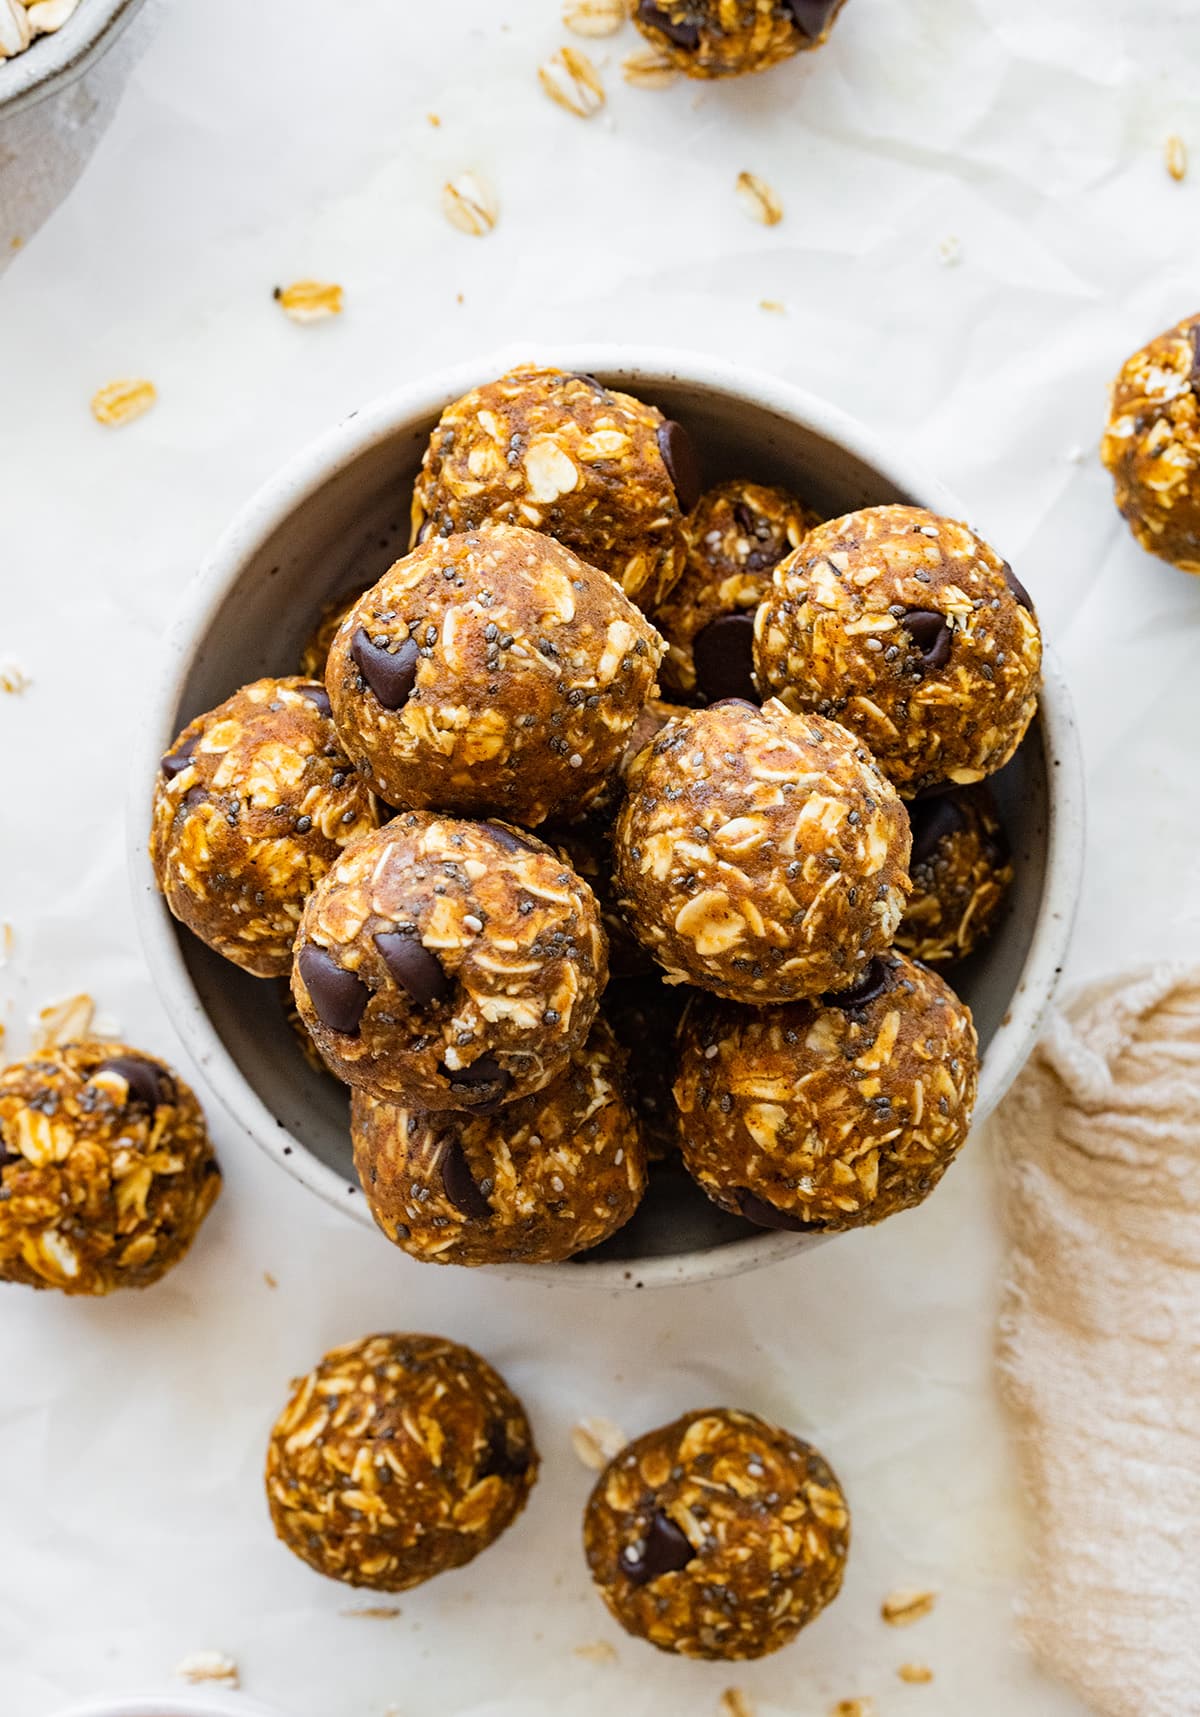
column 761, row 854
column 717, row 1536
column 253, row 803
column 603, row 473
column 961, row 873
column 398, row 1458
column 449, row 965
column 491, row 671
column 828, row 1115
column 539, row 1181
column 727, row 38
column 911, row 631
column 736, row 535
column 1152, row 445
column 106, row 1172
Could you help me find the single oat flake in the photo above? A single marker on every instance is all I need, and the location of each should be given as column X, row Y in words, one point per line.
column 209, row 1666
column 596, row 1441
column 13, row 679
column 735, row 1703
column 594, row 17
column 309, row 300
column 916, row 1674
column 648, row 70
column 1176, row 158
column 571, row 80
column 120, row 402
column 853, row 1708
column 596, row 1651
column 470, row 204
column 902, row 1608
column 63, row 1022
column 758, row 199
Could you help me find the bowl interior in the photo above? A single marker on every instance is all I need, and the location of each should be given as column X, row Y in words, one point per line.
column 341, row 537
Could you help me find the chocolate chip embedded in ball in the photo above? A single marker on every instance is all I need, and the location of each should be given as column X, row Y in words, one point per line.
column 683, row 467
column 728, row 38
column 338, row 997
column 931, row 635
column 813, row 17
column 414, row 967
column 145, row 1082
column 724, row 658
column 390, row 673
column 459, row 1185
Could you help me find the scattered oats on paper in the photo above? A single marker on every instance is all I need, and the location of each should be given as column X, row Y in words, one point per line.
column 853, row 1708
column 1176, row 158
column 776, row 306
column 900, row 1609
column 594, row 17
column 571, row 81
column 375, row 1612
column 596, row 1441
column 7, row 937
column 758, row 199
column 648, row 70
column 596, row 1651
column 735, row 1703
column 14, row 679
column 63, row 1022
column 309, row 300
column 120, row 402
column 470, row 204
column 916, row 1674
column 209, row 1666
column 949, row 251
column 22, row 21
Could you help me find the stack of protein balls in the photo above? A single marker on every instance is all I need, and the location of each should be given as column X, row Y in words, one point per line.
column 486, row 808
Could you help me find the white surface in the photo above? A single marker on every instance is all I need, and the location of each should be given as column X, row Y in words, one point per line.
column 262, row 143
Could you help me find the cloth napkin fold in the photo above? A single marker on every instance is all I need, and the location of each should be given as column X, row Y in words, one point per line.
column 1099, row 1153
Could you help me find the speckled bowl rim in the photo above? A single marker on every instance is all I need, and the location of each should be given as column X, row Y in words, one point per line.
column 52, row 62
column 385, row 418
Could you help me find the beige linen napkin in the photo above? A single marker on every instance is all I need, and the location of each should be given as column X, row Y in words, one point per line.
column 1099, row 1151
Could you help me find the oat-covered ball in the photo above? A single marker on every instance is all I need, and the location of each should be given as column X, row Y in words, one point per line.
column 761, row 854
column 449, row 965
column 603, row 473
column 736, row 535
column 398, row 1458
column 717, row 1536
column 727, row 38
column 644, row 1013
column 912, row 632
column 106, row 1172
column 831, row 1114
column 253, row 803
column 315, row 654
column 1152, row 445
column 535, row 1183
column 491, row 671
column 961, row 873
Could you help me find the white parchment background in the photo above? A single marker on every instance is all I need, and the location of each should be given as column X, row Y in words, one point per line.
column 261, row 143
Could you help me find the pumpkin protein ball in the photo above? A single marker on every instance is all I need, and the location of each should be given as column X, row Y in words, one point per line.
column 736, row 534
column 828, row 1115
column 492, row 671
column 449, row 965
column 106, row 1171
column 535, row 1183
column 761, row 854
column 605, row 474
column 912, row 632
column 1151, row 445
column 718, row 1536
column 397, row 1458
column 961, row 874
column 253, row 803
column 728, row 38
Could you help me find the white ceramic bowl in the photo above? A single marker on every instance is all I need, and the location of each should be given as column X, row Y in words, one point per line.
column 51, row 62
column 172, row 1705
column 339, row 512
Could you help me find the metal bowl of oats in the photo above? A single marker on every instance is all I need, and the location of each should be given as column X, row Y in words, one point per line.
column 339, row 514
column 46, row 44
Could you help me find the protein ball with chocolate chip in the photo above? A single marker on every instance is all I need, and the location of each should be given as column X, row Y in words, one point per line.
column 911, row 631
column 1151, row 445
column 449, row 965
column 397, row 1458
column 833, row 1114
column 106, row 1172
column 491, row 671
column 605, row 474
column 717, row 1536
column 961, row 873
column 728, row 38
column 737, row 533
column 761, row 854
column 253, row 803
column 644, row 1013
column 539, row 1181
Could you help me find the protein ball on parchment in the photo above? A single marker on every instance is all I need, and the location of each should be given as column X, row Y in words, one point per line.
column 253, row 803
column 491, row 671
column 535, row 1183
column 607, row 475
column 961, row 873
column 761, row 854
column 398, row 1458
column 736, row 535
column 911, row 631
column 106, row 1172
column 833, row 1114
column 726, row 38
column 449, row 965
column 717, row 1536
column 1151, row 445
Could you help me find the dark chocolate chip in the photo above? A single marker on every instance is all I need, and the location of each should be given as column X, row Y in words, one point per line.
column 499, row 1460
column 338, row 996
column 176, row 761
column 811, row 17
column 930, row 633
column 415, row 969
column 391, row 676
column 482, row 1085
column 724, row 656
column 686, row 36
column 460, row 1185
column 317, row 695
column 679, row 457
column 933, row 821
column 664, row 1550
column 423, row 531
column 1017, row 588
column 869, row 988
column 764, row 1215
column 746, row 519
column 507, row 839
column 195, row 795
column 147, row 1084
